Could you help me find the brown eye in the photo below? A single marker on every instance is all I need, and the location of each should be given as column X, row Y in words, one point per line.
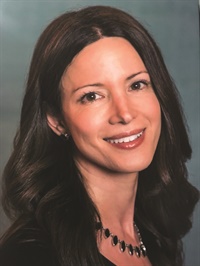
column 90, row 97
column 139, row 85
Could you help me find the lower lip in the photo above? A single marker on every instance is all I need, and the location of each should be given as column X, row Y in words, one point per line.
column 129, row 145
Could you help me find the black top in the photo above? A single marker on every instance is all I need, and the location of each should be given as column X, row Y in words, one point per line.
column 24, row 250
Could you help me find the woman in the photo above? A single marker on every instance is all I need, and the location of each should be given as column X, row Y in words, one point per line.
column 98, row 175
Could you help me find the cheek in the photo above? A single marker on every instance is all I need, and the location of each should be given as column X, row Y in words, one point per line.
column 156, row 118
column 85, row 124
column 157, row 112
column 154, row 109
column 152, row 112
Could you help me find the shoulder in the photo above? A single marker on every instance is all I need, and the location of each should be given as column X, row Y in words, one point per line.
column 27, row 248
column 25, row 254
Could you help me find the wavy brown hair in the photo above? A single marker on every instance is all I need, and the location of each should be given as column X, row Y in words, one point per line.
column 41, row 181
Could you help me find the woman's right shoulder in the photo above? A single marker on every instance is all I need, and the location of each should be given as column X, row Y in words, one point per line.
column 27, row 247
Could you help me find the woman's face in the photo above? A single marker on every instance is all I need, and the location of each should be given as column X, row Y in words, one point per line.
column 110, row 108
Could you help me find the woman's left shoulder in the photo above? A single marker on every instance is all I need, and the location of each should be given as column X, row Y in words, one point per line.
column 26, row 248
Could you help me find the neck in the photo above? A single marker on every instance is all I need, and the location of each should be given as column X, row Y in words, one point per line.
column 114, row 195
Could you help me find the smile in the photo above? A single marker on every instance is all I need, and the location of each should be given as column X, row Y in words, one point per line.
column 126, row 139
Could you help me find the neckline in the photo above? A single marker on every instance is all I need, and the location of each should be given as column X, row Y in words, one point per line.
column 107, row 260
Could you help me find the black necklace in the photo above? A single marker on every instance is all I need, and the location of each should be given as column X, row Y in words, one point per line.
column 137, row 250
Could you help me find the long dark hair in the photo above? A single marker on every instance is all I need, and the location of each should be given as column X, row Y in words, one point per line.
column 41, row 181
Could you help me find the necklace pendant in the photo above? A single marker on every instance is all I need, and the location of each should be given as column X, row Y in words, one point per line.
column 143, row 250
column 115, row 240
column 122, row 246
column 130, row 250
column 137, row 251
column 106, row 233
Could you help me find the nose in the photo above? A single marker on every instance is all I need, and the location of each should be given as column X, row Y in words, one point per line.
column 120, row 111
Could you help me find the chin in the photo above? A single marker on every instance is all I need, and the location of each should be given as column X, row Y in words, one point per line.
column 137, row 166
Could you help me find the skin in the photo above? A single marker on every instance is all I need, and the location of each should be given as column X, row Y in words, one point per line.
column 107, row 95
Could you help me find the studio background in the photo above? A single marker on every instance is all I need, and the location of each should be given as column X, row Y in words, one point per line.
column 174, row 24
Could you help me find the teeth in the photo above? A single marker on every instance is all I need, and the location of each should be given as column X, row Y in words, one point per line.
column 126, row 139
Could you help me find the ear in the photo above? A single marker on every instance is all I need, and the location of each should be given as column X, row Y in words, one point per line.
column 55, row 125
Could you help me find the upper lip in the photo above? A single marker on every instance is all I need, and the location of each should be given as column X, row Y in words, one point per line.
column 125, row 134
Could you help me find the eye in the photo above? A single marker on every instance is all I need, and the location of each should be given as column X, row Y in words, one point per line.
column 139, row 85
column 89, row 97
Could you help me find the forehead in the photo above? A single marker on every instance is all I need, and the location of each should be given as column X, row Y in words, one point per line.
column 106, row 47
column 106, row 55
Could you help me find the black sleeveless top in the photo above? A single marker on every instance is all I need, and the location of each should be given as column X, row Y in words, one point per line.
column 23, row 250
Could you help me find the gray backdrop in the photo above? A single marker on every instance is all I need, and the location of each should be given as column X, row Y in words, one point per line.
column 174, row 25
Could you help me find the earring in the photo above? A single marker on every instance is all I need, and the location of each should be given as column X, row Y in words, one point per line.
column 66, row 136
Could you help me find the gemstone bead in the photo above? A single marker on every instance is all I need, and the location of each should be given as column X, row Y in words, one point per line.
column 122, row 246
column 137, row 251
column 130, row 250
column 98, row 226
column 143, row 250
column 114, row 240
column 106, row 233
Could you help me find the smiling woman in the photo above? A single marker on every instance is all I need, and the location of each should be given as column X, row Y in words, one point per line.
column 101, row 148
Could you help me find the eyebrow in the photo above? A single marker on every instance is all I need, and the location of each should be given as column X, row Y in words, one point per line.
column 135, row 74
column 100, row 84
column 89, row 85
